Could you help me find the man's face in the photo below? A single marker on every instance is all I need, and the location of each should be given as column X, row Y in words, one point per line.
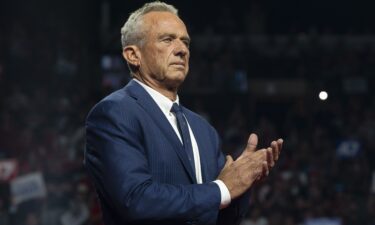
column 165, row 52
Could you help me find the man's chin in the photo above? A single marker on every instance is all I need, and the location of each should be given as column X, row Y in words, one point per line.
column 176, row 80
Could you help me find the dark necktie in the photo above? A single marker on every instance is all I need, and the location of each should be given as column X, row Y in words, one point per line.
column 184, row 132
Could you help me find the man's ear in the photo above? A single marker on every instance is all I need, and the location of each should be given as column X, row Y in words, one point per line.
column 132, row 55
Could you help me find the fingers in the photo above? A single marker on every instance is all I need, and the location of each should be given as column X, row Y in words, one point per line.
column 280, row 144
column 263, row 158
column 252, row 143
column 268, row 163
column 229, row 160
column 276, row 148
column 265, row 168
column 270, row 157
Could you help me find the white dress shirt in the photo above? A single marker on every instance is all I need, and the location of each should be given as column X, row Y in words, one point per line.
column 165, row 105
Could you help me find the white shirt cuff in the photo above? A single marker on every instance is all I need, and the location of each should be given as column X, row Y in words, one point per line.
column 225, row 195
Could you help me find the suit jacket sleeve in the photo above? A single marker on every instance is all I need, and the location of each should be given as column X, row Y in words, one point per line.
column 118, row 164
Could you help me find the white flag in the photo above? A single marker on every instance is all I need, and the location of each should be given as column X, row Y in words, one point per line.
column 27, row 187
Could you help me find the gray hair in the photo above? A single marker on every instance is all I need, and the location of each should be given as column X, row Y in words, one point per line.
column 131, row 32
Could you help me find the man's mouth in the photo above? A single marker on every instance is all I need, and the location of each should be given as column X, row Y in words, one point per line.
column 178, row 64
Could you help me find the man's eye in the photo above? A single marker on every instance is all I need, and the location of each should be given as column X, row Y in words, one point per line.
column 167, row 40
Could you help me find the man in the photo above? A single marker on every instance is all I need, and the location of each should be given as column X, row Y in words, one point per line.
column 154, row 161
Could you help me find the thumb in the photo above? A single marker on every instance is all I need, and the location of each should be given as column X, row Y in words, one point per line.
column 229, row 160
column 252, row 143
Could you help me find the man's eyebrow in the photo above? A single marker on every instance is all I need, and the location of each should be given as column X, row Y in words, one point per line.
column 164, row 35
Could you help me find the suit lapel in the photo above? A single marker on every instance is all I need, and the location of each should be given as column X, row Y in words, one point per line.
column 153, row 110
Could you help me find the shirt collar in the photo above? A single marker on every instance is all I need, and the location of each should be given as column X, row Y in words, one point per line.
column 164, row 103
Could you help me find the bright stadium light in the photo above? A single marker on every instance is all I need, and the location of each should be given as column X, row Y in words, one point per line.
column 323, row 95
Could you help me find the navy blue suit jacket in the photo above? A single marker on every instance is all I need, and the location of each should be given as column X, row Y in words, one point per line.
column 140, row 169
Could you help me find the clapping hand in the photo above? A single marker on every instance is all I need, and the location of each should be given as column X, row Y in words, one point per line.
column 252, row 165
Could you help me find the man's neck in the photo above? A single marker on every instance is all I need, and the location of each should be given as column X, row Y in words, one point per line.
column 169, row 93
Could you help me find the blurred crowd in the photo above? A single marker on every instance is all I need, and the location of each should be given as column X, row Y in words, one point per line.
column 49, row 81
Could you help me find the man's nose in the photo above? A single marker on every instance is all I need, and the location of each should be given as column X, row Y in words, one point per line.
column 181, row 49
